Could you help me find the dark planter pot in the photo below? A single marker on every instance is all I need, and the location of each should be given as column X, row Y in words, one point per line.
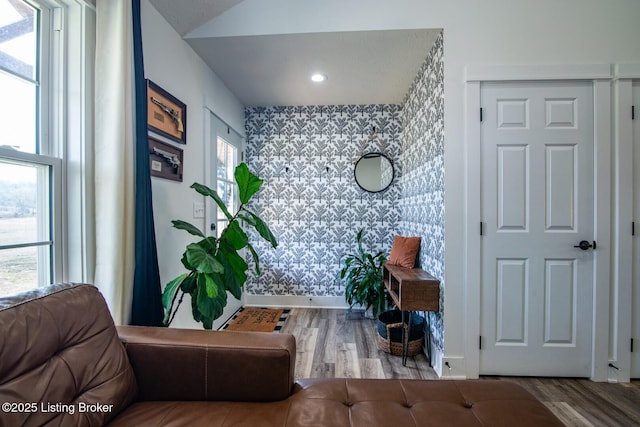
column 395, row 316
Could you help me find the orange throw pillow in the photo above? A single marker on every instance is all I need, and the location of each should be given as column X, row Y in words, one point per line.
column 404, row 251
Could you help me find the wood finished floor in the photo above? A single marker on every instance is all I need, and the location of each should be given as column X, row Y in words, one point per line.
column 329, row 345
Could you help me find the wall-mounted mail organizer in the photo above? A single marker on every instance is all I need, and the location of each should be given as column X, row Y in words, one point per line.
column 165, row 160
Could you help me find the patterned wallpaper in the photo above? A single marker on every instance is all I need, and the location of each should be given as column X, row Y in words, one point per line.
column 422, row 183
column 310, row 199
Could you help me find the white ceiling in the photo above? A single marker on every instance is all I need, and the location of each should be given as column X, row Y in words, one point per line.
column 185, row 16
column 364, row 67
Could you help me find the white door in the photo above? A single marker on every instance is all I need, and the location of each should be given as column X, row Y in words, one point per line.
column 537, row 204
column 227, row 146
column 226, row 153
column 635, row 328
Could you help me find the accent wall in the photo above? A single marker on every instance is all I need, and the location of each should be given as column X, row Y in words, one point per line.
column 310, row 199
column 422, row 183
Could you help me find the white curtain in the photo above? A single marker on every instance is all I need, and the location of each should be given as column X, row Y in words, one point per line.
column 114, row 156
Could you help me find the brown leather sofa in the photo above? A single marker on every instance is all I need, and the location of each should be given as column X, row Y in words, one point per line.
column 64, row 363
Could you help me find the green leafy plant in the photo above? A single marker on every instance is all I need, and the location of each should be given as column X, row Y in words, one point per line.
column 362, row 275
column 214, row 264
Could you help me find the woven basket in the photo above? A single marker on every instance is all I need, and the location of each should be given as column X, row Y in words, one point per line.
column 395, row 348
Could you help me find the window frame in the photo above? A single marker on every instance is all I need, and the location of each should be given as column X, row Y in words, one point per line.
column 64, row 132
column 237, row 149
column 55, row 213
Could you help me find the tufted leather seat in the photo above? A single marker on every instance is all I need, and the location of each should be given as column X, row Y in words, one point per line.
column 58, row 346
column 368, row 402
column 362, row 402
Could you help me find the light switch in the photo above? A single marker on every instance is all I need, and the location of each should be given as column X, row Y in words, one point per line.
column 198, row 210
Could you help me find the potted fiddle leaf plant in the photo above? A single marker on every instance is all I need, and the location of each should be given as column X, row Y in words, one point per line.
column 362, row 276
column 214, row 265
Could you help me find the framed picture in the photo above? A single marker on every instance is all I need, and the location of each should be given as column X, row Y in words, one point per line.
column 165, row 160
column 166, row 114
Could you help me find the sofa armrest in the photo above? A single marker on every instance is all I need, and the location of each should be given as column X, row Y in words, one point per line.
column 196, row 365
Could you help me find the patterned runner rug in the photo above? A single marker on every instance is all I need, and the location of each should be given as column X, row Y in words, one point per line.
column 255, row 319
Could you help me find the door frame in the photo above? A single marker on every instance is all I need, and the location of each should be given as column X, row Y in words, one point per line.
column 601, row 76
column 626, row 75
column 210, row 206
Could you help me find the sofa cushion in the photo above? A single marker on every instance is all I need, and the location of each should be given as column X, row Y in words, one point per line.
column 360, row 402
column 368, row 402
column 60, row 350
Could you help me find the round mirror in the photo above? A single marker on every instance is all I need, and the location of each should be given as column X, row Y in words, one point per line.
column 374, row 172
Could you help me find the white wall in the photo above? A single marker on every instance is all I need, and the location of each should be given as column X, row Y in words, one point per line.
column 172, row 64
column 499, row 32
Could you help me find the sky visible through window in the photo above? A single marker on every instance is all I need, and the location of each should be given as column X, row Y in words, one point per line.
column 19, row 182
column 18, row 82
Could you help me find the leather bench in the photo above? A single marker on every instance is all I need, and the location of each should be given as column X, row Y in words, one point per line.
column 63, row 362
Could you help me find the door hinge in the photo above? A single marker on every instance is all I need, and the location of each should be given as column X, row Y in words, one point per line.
column 631, row 345
column 480, row 342
column 480, row 114
column 481, row 228
column 633, row 228
column 633, row 112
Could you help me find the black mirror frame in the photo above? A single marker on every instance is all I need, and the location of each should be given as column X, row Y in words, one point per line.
column 369, row 155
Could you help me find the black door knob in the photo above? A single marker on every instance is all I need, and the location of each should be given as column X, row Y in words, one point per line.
column 584, row 245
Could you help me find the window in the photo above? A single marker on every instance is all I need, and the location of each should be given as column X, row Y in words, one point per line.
column 227, row 160
column 20, row 63
column 226, row 154
column 29, row 175
column 26, row 235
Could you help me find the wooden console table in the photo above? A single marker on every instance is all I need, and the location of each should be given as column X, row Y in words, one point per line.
column 412, row 289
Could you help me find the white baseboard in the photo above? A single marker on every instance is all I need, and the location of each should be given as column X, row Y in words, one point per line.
column 455, row 371
column 453, row 377
column 618, row 375
column 438, row 360
column 293, row 301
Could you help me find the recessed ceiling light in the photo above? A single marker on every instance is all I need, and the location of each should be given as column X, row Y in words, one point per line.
column 318, row 77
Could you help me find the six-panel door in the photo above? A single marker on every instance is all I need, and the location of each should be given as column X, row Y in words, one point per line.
column 537, row 204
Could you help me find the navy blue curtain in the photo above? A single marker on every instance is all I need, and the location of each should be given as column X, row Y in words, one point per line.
column 147, row 295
